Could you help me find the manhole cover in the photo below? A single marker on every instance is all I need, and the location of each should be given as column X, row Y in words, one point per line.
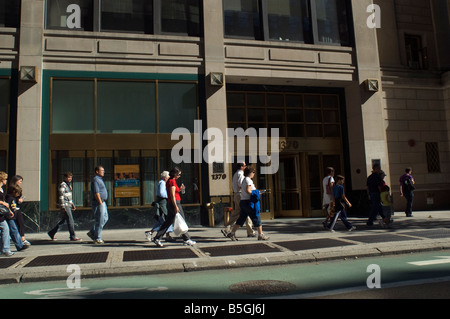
column 262, row 287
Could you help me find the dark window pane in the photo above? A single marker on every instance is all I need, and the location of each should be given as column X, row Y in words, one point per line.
column 330, row 116
column 255, row 99
column 126, row 107
column 293, row 115
column 311, row 101
column 314, row 130
column 9, row 13
column 275, row 115
column 293, row 100
column 57, row 15
column 256, row 115
column 242, row 19
column 295, row 130
column 332, row 22
column 235, row 99
column 127, row 16
column 236, row 114
column 72, row 106
column 288, row 20
column 275, row 100
column 177, row 106
column 331, row 130
column 180, row 16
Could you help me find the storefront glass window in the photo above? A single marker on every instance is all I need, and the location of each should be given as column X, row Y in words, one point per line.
column 177, row 106
column 58, row 17
column 126, row 107
column 72, row 104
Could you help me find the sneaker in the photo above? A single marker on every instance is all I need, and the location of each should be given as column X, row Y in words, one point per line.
column 251, row 235
column 8, row 253
column 263, row 237
column 76, row 239
column 91, row 236
column 232, row 236
column 157, row 242
column 51, row 237
column 26, row 243
column 352, row 228
column 189, row 242
column 98, row 242
column 148, row 235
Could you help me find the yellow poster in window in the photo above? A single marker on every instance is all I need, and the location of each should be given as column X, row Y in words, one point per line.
column 127, row 181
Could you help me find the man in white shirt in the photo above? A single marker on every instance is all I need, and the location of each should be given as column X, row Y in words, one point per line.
column 237, row 180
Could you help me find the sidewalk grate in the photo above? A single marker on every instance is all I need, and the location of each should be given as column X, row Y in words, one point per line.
column 228, row 250
column 431, row 234
column 312, row 244
column 369, row 239
column 9, row 261
column 56, row 260
column 152, row 254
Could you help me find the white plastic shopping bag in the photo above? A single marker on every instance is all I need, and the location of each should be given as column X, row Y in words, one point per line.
column 179, row 225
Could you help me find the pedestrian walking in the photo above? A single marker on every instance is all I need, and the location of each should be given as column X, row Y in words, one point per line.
column 15, row 197
column 99, row 196
column 161, row 208
column 407, row 190
column 237, row 180
column 10, row 229
column 374, row 185
column 327, row 185
column 67, row 208
column 5, row 217
column 173, row 207
column 338, row 204
column 249, row 205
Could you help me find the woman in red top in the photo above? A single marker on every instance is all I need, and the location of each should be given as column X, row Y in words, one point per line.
column 173, row 207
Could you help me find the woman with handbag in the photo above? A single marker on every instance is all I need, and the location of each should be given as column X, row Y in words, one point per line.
column 15, row 197
column 173, row 208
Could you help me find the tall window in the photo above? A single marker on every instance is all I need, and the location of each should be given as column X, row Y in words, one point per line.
column 433, row 160
column 242, row 19
column 181, row 17
column 10, row 13
column 416, row 54
column 307, row 21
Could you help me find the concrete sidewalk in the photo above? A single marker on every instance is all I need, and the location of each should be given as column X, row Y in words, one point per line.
column 127, row 252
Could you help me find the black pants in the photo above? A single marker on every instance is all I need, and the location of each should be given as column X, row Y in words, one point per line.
column 171, row 212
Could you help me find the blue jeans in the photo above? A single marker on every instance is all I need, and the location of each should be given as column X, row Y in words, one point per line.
column 66, row 215
column 4, row 228
column 15, row 236
column 159, row 223
column 101, row 217
column 342, row 214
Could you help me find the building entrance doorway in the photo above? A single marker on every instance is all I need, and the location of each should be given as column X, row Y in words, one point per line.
column 288, row 188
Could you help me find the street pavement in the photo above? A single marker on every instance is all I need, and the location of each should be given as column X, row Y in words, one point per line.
column 127, row 251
